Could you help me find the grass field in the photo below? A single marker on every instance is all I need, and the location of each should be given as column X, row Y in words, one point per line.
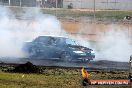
column 56, row 78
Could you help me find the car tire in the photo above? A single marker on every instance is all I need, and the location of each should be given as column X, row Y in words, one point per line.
column 65, row 56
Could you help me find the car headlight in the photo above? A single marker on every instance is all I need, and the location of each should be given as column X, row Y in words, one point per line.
column 92, row 52
column 78, row 52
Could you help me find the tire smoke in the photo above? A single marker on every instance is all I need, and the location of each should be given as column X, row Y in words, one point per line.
column 15, row 32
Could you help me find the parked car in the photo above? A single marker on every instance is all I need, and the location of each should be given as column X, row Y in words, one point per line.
column 66, row 49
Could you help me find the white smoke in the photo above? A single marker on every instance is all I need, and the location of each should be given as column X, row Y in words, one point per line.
column 115, row 45
column 14, row 32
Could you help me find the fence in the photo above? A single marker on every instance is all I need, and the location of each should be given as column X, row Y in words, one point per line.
column 85, row 4
column 99, row 4
column 33, row 3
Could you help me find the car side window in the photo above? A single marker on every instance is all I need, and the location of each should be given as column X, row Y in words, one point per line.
column 52, row 41
column 43, row 40
column 49, row 41
column 60, row 41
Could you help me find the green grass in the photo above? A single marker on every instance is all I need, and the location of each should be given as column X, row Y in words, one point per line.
column 56, row 78
column 15, row 80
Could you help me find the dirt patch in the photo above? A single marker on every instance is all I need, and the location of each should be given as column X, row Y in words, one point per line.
column 92, row 31
column 26, row 68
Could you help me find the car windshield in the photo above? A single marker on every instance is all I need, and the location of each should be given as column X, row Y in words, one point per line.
column 71, row 42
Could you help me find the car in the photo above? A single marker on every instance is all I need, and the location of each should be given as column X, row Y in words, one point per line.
column 51, row 47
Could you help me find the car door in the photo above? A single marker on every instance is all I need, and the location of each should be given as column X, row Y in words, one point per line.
column 43, row 47
column 53, row 50
column 48, row 48
column 57, row 47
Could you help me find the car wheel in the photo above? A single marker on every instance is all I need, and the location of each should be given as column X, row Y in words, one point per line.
column 65, row 56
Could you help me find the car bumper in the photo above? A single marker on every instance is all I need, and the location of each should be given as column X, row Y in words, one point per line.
column 83, row 57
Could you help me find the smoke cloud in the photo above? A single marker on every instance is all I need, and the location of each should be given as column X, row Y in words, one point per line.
column 14, row 32
column 114, row 45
